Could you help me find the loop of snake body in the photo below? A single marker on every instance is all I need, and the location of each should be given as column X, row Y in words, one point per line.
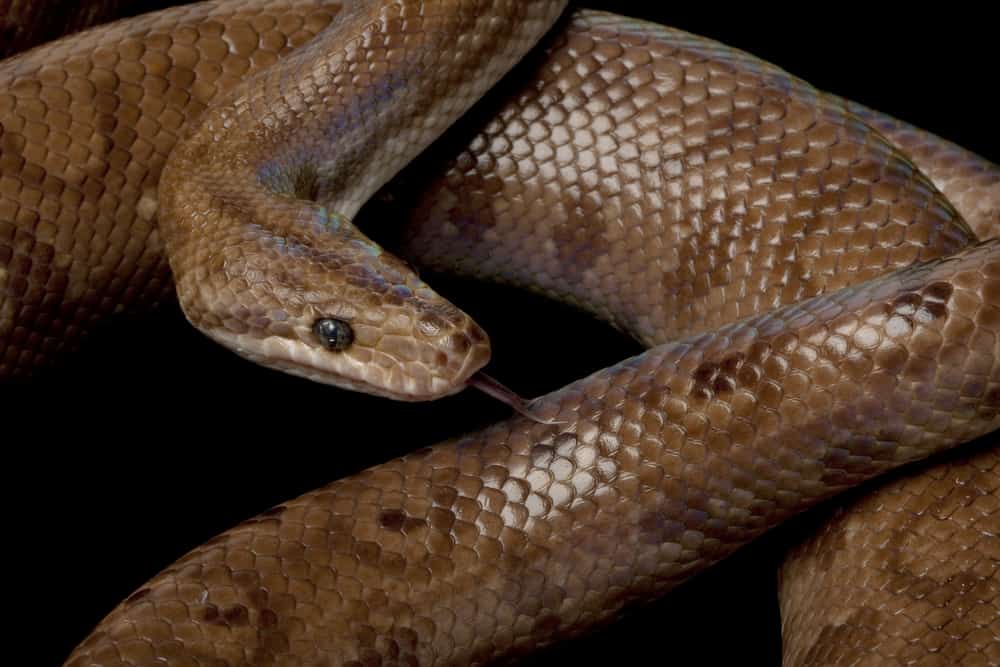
column 818, row 311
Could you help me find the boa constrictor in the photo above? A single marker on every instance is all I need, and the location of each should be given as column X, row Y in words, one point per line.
column 735, row 189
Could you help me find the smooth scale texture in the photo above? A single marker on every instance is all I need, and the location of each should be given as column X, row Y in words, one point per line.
column 525, row 533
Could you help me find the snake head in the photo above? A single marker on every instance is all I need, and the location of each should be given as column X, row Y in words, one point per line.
column 326, row 303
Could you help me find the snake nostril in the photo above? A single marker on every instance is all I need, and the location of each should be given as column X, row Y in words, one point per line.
column 336, row 335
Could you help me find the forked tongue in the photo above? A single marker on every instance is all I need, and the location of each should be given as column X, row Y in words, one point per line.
column 491, row 387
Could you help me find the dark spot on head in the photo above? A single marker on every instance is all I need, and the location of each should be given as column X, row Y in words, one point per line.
column 392, row 519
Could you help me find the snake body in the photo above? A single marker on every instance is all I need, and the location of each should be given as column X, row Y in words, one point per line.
column 726, row 188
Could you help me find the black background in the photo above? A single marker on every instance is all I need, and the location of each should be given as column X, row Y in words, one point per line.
column 152, row 440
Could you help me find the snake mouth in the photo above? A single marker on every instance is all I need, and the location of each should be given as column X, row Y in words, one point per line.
column 409, row 381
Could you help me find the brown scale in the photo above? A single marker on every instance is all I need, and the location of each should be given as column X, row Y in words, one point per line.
column 87, row 126
column 905, row 575
column 526, row 533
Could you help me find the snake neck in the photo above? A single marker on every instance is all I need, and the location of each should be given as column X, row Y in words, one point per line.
column 257, row 201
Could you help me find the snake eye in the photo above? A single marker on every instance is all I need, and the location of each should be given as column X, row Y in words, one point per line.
column 335, row 334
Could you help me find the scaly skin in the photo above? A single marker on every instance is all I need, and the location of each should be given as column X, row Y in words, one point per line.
column 671, row 519
column 526, row 533
column 908, row 574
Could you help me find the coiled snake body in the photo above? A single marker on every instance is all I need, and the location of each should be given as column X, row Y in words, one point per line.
column 664, row 182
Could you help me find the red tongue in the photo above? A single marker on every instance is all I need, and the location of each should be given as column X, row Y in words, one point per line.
column 493, row 388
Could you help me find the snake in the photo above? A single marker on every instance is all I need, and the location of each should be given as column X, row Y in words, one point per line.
column 817, row 313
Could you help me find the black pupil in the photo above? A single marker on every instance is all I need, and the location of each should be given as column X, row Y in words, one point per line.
column 333, row 333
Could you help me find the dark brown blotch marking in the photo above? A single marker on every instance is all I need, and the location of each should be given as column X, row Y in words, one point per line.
column 237, row 616
column 723, row 385
column 759, row 352
column 705, row 373
column 939, row 291
column 580, row 240
column 703, row 377
column 399, row 521
column 267, row 618
column 211, row 615
column 935, row 299
column 732, row 363
column 406, row 639
column 258, row 598
column 719, row 379
column 906, row 304
column 392, row 519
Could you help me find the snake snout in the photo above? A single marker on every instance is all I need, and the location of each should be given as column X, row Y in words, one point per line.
column 459, row 346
